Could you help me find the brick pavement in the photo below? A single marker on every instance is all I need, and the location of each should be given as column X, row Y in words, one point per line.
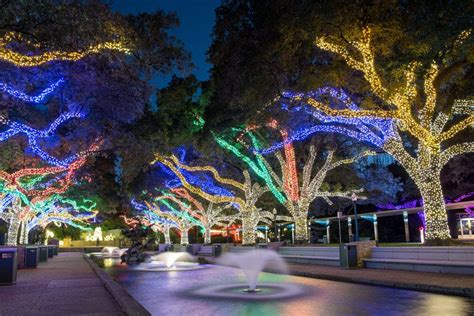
column 64, row 285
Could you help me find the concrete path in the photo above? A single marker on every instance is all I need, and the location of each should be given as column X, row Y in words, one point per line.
column 451, row 284
column 65, row 285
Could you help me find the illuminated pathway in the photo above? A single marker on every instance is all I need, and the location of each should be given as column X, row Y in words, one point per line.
column 63, row 285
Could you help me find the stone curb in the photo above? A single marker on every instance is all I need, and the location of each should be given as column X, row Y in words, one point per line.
column 465, row 292
column 128, row 304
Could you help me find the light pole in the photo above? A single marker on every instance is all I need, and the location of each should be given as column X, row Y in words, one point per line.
column 309, row 231
column 354, row 202
column 339, row 216
column 292, row 226
column 275, row 223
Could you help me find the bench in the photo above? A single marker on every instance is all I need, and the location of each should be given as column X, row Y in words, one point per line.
column 178, row 248
column 163, row 248
column 328, row 256
column 239, row 249
column 205, row 251
column 455, row 260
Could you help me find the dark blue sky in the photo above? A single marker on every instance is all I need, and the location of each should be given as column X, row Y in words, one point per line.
column 197, row 20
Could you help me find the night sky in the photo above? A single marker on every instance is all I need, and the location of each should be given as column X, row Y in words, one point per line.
column 197, row 20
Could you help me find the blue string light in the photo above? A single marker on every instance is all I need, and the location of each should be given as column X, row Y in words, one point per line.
column 33, row 135
column 150, row 216
column 373, row 130
column 201, row 180
column 30, row 98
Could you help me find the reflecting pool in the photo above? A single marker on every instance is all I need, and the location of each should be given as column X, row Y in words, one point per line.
column 180, row 293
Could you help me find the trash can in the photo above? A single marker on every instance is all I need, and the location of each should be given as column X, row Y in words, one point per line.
column 348, row 255
column 8, row 265
column 56, row 250
column 20, row 256
column 216, row 250
column 43, row 253
column 32, row 257
column 2, row 239
column 50, row 251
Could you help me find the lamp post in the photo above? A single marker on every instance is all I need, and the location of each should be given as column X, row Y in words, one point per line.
column 339, row 216
column 275, row 223
column 309, row 231
column 292, row 226
column 354, row 202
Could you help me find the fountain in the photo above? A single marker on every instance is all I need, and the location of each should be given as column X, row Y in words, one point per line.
column 110, row 252
column 107, row 251
column 252, row 263
column 169, row 261
column 117, row 252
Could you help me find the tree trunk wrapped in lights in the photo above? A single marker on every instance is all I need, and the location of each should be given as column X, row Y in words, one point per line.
column 295, row 196
column 153, row 216
column 28, row 189
column 310, row 188
column 183, row 219
column 250, row 215
column 213, row 215
column 61, row 211
column 411, row 110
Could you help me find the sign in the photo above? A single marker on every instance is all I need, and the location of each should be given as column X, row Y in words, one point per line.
column 339, row 215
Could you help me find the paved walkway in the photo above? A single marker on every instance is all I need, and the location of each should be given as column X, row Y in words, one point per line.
column 65, row 285
column 424, row 281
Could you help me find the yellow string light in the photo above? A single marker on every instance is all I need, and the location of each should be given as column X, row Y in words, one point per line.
column 209, row 169
column 22, row 60
column 425, row 168
column 249, row 214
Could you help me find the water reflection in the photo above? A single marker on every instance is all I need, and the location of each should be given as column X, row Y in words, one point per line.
column 168, row 293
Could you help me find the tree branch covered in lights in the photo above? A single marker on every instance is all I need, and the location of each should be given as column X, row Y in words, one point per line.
column 22, row 60
column 33, row 135
column 157, row 222
column 245, row 201
column 413, row 113
column 298, row 193
column 212, row 215
column 183, row 221
column 27, row 190
column 39, row 98
column 58, row 211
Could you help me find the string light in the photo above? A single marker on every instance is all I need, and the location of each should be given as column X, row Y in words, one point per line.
column 33, row 134
column 21, row 60
column 309, row 188
column 31, row 98
column 250, row 215
column 425, row 167
column 204, row 181
column 23, row 187
column 211, row 216
column 259, row 167
column 183, row 222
